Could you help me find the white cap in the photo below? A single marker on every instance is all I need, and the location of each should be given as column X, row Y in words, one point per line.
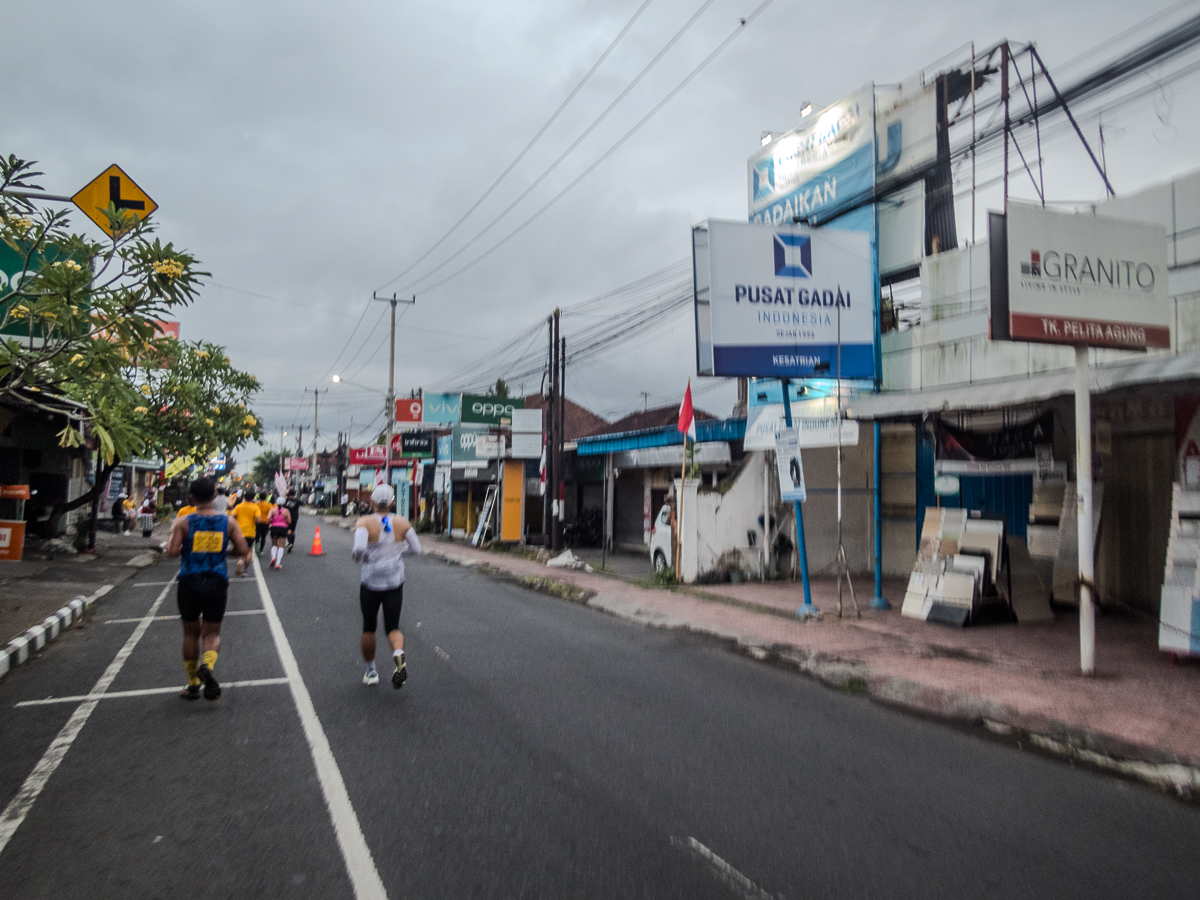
column 382, row 495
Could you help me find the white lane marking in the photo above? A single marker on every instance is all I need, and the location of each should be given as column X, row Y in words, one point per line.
column 235, row 612
column 18, row 808
column 149, row 692
column 360, row 865
column 151, row 583
column 745, row 888
column 442, row 653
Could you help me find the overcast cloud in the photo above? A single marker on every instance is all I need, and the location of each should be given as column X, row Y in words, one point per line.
column 311, row 151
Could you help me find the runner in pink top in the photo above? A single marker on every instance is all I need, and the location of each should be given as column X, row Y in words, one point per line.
column 278, row 520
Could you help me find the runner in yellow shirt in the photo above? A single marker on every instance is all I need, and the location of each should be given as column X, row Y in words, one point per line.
column 248, row 517
column 185, row 511
column 264, row 507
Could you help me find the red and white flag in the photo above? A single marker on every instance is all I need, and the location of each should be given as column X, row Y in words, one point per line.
column 542, row 469
column 687, row 418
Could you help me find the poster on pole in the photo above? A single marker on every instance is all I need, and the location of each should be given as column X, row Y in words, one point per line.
column 816, row 422
column 789, row 466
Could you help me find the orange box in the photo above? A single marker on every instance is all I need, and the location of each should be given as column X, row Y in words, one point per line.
column 12, row 540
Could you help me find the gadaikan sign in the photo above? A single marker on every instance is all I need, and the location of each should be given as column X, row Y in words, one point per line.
column 774, row 300
column 480, row 410
column 1086, row 280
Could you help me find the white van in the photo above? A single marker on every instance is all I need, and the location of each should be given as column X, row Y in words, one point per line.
column 661, row 543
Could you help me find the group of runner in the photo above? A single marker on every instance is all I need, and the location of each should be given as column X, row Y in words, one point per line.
column 206, row 530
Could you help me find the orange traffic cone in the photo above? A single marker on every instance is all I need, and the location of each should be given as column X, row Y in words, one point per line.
column 316, row 550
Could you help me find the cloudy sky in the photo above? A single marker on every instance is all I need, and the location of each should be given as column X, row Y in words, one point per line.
column 309, row 153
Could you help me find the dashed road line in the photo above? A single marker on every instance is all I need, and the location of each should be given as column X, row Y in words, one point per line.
column 360, row 865
column 18, row 808
column 147, row 692
column 228, row 613
column 745, row 888
column 441, row 653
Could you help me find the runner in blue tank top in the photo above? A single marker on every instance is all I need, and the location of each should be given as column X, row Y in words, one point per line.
column 202, row 539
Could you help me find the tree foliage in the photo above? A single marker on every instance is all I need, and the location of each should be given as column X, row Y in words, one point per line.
column 83, row 320
column 499, row 389
column 266, row 464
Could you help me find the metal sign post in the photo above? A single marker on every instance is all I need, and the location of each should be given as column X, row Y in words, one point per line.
column 807, row 611
column 1083, row 512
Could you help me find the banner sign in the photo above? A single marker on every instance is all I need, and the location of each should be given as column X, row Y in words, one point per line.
column 441, row 409
column 527, row 421
column 14, row 492
column 771, row 301
column 1093, row 281
column 819, row 166
column 295, row 464
column 480, row 410
column 789, row 467
column 408, row 410
column 814, row 420
column 443, row 448
column 462, row 446
column 1010, row 450
column 526, row 445
column 413, row 444
column 489, row 446
column 375, row 455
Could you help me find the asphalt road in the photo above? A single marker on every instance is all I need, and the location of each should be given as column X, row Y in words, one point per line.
column 539, row 749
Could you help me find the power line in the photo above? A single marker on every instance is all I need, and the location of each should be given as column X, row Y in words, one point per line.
column 528, row 147
column 611, row 150
column 554, row 165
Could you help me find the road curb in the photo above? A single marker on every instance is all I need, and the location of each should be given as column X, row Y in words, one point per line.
column 18, row 650
column 1079, row 746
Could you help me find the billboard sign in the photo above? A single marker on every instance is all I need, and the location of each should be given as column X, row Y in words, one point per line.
column 481, row 410
column 526, row 445
column 818, row 167
column 443, row 448
column 375, row 455
column 772, row 300
column 408, row 410
column 441, row 409
column 527, row 421
column 815, row 422
column 413, row 444
column 295, row 464
column 462, row 446
column 789, row 467
column 1058, row 278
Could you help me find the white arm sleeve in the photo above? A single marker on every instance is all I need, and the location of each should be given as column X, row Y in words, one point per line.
column 360, row 544
column 410, row 538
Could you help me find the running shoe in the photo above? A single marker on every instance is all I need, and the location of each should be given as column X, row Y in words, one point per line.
column 371, row 676
column 401, row 673
column 212, row 690
column 191, row 692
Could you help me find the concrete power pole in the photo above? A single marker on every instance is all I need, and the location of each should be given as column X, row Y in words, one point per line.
column 391, row 394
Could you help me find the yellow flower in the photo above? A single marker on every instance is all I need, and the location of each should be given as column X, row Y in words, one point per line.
column 245, row 432
column 210, row 422
column 49, row 315
column 20, row 223
column 201, row 354
column 140, row 409
column 20, row 312
column 168, row 268
column 145, row 389
column 216, row 409
column 249, row 420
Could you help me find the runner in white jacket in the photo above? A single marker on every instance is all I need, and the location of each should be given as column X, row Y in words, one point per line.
column 380, row 540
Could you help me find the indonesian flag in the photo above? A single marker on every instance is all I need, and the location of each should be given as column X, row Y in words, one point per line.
column 542, row 469
column 687, row 418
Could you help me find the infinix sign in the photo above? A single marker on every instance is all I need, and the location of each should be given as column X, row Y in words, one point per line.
column 482, row 410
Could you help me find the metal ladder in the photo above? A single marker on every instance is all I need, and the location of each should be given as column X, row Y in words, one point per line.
column 485, row 515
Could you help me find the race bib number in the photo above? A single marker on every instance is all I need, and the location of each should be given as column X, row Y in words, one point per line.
column 207, row 542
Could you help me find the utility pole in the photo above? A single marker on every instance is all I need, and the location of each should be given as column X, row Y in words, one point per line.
column 562, row 436
column 548, row 449
column 391, row 394
column 555, row 462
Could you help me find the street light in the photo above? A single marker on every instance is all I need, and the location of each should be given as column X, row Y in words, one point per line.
column 338, row 379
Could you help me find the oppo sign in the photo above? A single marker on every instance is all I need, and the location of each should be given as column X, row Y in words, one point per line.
column 482, row 410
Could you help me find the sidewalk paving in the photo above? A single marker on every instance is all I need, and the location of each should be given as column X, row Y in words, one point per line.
column 33, row 589
column 1139, row 715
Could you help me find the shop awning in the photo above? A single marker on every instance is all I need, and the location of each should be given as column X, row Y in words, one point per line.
column 706, row 431
column 1017, row 391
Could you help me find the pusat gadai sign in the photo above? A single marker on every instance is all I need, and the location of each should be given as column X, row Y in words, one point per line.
column 771, row 300
column 1058, row 278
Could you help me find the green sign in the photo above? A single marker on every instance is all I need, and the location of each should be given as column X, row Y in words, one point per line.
column 480, row 410
column 12, row 273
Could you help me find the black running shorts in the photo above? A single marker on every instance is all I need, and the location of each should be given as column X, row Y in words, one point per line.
column 279, row 531
column 202, row 595
column 370, row 601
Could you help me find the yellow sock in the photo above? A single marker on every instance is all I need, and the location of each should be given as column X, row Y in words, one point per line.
column 192, row 665
column 210, row 658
